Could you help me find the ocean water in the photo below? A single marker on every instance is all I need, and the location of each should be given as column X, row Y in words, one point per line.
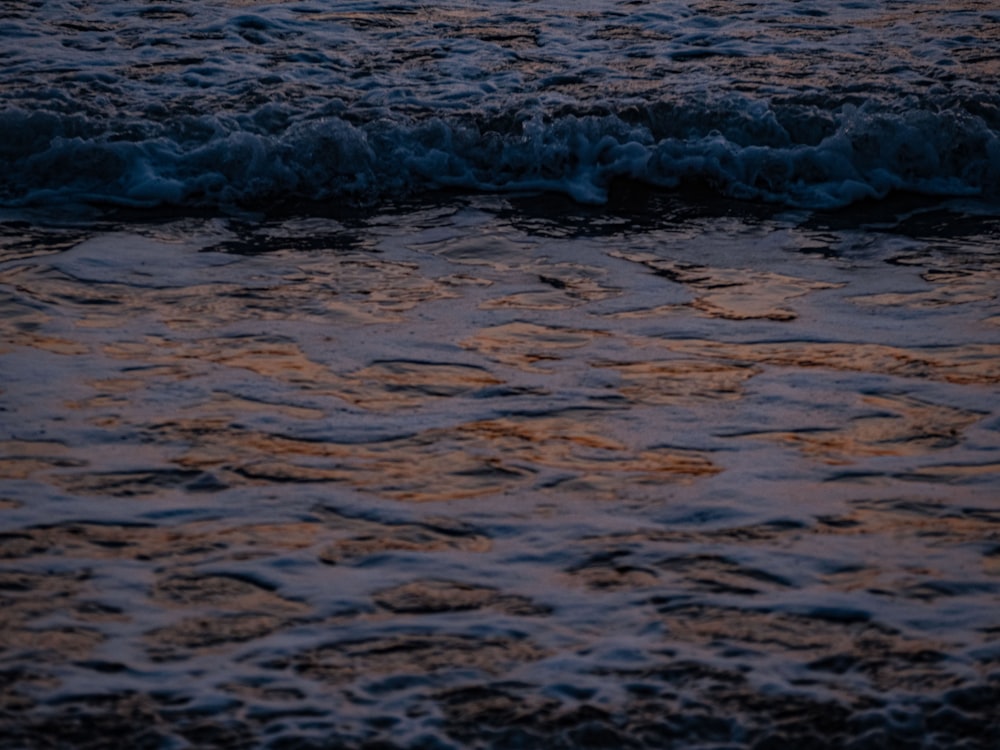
column 810, row 104
column 500, row 375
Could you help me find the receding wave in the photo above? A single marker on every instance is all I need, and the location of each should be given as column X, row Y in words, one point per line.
column 800, row 156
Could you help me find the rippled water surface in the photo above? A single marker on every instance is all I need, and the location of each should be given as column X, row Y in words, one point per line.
column 485, row 475
column 500, row 375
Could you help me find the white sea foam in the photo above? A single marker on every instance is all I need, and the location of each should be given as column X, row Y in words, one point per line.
column 869, row 154
column 189, row 104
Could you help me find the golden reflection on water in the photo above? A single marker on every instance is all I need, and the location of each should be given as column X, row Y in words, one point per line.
column 471, row 459
column 894, row 426
column 377, row 417
column 951, row 287
column 971, row 364
column 524, row 344
column 731, row 293
column 142, row 340
column 681, row 381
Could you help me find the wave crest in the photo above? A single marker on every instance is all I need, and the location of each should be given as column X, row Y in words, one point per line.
column 795, row 156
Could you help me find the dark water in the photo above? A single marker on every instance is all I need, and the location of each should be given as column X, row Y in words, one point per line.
column 812, row 104
column 508, row 375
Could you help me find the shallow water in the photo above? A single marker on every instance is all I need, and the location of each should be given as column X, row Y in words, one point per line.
column 517, row 375
column 482, row 474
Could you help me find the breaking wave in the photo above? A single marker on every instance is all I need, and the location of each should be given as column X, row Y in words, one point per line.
column 795, row 155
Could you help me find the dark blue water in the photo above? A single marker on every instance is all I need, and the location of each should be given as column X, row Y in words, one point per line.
column 248, row 104
column 500, row 375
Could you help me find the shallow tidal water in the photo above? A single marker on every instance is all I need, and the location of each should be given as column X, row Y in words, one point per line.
column 501, row 375
column 503, row 473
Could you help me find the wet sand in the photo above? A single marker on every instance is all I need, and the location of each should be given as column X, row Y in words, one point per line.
column 493, row 473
